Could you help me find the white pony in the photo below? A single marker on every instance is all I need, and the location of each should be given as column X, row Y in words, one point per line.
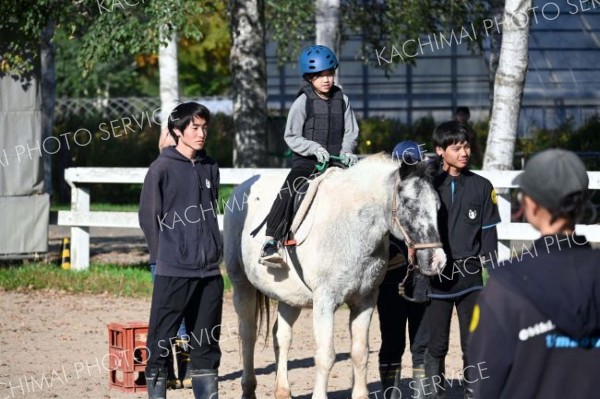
column 341, row 257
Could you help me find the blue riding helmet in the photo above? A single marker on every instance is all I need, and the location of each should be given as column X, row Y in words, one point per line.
column 407, row 152
column 315, row 59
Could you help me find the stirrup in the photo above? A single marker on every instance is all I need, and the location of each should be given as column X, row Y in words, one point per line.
column 275, row 259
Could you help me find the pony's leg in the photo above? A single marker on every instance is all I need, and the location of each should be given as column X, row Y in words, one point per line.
column 282, row 336
column 245, row 300
column 360, row 320
column 323, row 309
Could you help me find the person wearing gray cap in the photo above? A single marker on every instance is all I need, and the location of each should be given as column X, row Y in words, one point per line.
column 535, row 331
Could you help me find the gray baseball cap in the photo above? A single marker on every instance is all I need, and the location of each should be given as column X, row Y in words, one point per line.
column 551, row 175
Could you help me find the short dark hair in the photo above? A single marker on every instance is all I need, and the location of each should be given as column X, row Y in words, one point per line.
column 571, row 207
column 310, row 76
column 462, row 110
column 183, row 114
column 451, row 132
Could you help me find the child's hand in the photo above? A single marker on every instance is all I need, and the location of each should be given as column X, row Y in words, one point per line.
column 322, row 155
column 348, row 159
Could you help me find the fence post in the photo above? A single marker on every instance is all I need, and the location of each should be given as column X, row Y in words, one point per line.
column 80, row 236
column 503, row 198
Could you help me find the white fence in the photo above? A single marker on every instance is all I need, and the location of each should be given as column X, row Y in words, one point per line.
column 80, row 218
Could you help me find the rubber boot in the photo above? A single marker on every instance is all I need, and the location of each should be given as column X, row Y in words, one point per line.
column 183, row 363
column 418, row 378
column 435, row 370
column 390, row 382
column 205, row 384
column 156, row 382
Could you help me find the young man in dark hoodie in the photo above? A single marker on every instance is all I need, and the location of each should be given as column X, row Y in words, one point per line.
column 535, row 331
column 178, row 215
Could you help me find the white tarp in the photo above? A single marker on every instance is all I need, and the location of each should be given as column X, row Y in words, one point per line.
column 24, row 208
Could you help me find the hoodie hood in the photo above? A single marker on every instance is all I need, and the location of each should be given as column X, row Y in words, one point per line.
column 172, row 153
column 563, row 282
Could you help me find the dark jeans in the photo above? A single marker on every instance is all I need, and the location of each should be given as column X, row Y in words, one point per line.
column 394, row 313
column 439, row 314
column 200, row 301
column 279, row 218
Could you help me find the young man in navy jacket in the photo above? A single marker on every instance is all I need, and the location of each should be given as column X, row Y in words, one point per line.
column 535, row 331
column 178, row 214
column 467, row 221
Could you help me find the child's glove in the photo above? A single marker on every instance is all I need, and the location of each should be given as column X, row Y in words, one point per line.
column 348, row 159
column 322, row 155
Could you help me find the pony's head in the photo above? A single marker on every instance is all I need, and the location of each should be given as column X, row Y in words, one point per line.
column 415, row 208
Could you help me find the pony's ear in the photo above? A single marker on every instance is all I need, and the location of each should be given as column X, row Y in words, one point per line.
column 406, row 169
column 424, row 169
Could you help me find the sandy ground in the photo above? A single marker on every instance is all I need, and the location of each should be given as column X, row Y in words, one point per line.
column 55, row 345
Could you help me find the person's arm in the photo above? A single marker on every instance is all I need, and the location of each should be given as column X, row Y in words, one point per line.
column 293, row 129
column 150, row 212
column 490, row 218
column 350, row 128
column 492, row 343
column 165, row 140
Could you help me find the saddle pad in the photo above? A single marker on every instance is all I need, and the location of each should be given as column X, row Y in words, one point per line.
column 306, row 204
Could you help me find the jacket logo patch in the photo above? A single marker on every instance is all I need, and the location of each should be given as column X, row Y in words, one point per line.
column 536, row 329
column 207, row 183
column 472, row 214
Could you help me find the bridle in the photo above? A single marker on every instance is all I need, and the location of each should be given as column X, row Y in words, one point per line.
column 412, row 246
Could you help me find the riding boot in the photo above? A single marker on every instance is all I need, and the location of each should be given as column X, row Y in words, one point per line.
column 390, row 381
column 435, row 370
column 418, row 378
column 156, row 383
column 205, row 384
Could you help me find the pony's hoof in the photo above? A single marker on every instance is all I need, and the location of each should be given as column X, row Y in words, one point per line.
column 283, row 393
column 251, row 396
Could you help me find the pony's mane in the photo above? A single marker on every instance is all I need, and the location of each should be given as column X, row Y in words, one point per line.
column 377, row 165
column 373, row 166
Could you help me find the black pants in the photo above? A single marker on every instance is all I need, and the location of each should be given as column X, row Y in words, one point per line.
column 200, row 301
column 280, row 215
column 439, row 315
column 394, row 312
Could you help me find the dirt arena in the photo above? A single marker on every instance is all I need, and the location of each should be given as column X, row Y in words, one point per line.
column 55, row 345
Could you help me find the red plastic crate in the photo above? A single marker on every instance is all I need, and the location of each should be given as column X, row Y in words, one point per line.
column 127, row 356
column 131, row 382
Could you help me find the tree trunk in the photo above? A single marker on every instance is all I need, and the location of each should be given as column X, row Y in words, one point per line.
column 48, row 75
column 496, row 10
column 169, row 78
column 508, row 89
column 327, row 23
column 248, row 67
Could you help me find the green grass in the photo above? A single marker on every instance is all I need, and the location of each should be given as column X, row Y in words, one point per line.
column 224, row 193
column 125, row 281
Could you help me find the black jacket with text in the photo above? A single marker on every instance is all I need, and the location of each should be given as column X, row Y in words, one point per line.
column 535, row 331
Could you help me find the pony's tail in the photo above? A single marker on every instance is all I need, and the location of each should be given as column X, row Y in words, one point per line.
column 263, row 314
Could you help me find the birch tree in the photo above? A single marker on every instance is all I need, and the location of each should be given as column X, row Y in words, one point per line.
column 508, row 86
column 169, row 78
column 249, row 82
column 328, row 24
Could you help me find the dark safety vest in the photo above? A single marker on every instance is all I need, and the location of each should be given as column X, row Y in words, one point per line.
column 324, row 119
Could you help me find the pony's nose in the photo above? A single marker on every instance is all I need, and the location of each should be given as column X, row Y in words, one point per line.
column 439, row 260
